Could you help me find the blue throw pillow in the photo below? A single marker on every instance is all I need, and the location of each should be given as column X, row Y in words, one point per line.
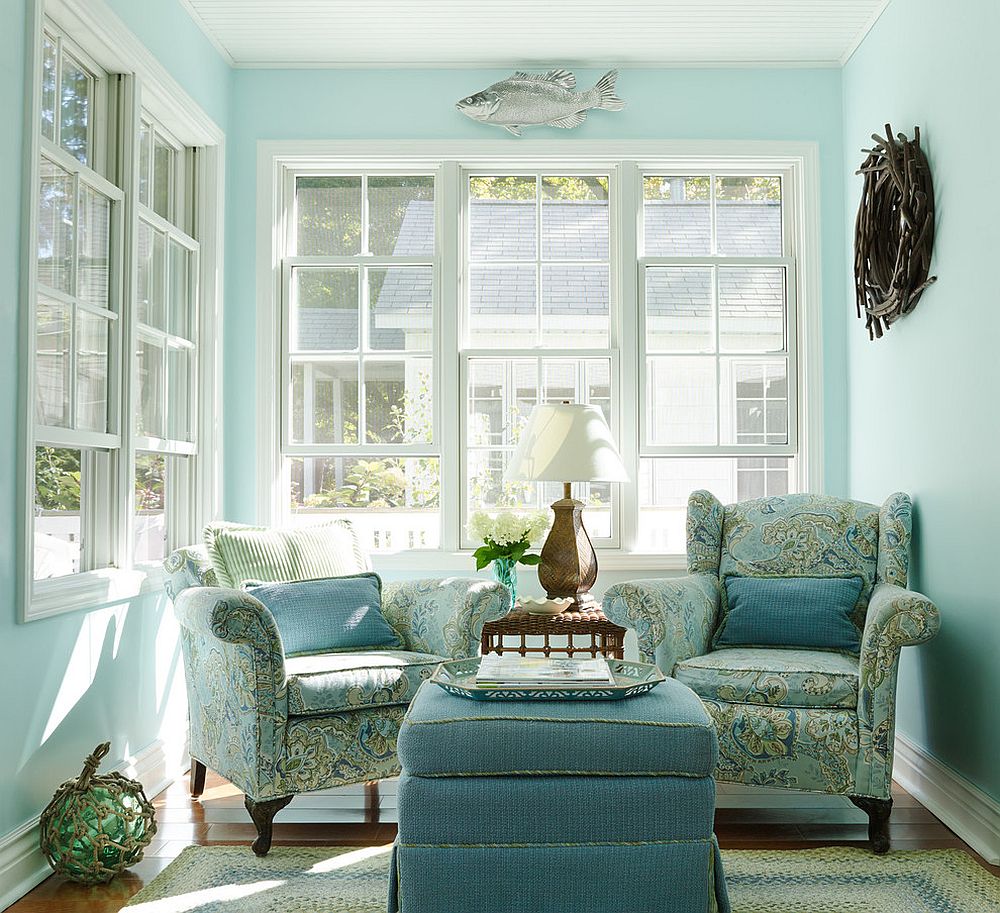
column 810, row 612
column 323, row 616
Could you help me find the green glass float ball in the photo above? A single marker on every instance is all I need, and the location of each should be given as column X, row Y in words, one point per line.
column 96, row 826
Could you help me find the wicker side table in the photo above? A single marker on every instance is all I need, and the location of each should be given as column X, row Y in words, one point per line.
column 598, row 635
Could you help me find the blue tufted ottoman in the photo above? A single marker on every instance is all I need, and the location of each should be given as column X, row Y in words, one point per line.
column 557, row 807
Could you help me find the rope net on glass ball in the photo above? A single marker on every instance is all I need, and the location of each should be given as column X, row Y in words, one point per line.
column 894, row 231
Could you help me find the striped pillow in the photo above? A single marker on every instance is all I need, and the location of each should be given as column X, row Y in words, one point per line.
column 256, row 554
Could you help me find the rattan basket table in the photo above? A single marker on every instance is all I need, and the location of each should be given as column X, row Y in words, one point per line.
column 585, row 633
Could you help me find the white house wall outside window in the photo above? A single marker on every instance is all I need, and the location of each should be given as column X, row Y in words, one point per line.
column 682, row 330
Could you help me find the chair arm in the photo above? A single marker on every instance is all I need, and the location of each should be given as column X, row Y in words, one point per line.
column 188, row 567
column 444, row 616
column 896, row 618
column 235, row 674
column 673, row 617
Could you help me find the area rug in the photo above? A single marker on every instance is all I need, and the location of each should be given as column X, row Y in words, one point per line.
column 230, row 879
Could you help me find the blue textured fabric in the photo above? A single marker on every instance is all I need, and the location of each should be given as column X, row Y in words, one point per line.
column 664, row 877
column 811, row 612
column 666, row 731
column 617, row 809
column 335, row 613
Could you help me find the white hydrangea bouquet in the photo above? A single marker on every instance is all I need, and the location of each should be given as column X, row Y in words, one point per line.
column 506, row 538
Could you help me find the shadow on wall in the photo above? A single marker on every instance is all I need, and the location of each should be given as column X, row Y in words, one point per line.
column 110, row 673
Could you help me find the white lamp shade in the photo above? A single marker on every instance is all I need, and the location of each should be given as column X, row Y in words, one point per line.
column 566, row 442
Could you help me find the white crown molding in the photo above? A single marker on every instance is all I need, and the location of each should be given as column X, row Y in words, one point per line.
column 959, row 803
column 22, row 865
column 189, row 8
column 862, row 34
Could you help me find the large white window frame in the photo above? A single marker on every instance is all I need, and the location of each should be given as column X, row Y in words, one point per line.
column 796, row 163
column 135, row 79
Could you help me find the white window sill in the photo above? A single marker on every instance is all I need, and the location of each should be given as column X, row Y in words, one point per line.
column 58, row 595
column 438, row 561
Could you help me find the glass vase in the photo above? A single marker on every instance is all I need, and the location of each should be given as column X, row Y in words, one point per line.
column 505, row 572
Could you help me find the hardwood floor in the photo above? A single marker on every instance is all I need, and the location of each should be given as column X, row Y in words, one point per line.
column 784, row 821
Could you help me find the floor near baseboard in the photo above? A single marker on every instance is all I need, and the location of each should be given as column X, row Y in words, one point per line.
column 778, row 820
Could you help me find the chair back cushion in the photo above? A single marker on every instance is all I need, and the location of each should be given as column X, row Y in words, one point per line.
column 806, row 612
column 329, row 615
column 256, row 554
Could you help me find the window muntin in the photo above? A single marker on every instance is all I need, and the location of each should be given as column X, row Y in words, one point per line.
column 359, row 337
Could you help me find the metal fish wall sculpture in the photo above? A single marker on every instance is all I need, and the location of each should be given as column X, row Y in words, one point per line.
column 534, row 100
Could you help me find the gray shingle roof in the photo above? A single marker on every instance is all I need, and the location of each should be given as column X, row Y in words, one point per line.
column 506, row 229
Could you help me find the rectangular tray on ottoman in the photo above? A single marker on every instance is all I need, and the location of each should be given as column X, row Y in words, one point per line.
column 587, row 807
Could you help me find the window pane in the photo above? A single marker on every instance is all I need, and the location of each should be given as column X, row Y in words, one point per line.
column 164, row 167
column 398, row 401
column 180, row 365
column 325, row 310
column 679, row 309
column 392, row 503
column 487, row 488
column 152, row 249
column 400, row 308
column 576, row 306
column 681, row 400
column 146, row 165
column 91, row 372
column 74, row 109
column 401, row 216
column 95, row 246
column 751, row 309
column 756, row 412
column 48, row 88
column 748, row 216
column 501, row 395
column 52, row 363
column 575, row 218
column 677, row 215
column 503, row 216
column 56, row 218
column 180, row 291
column 150, row 525
column 57, row 512
column 666, row 482
column 327, row 216
column 150, row 363
column 502, row 308
column 324, row 402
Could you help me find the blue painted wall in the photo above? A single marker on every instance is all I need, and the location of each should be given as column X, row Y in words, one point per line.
column 923, row 400
column 755, row 104
column 112, row 672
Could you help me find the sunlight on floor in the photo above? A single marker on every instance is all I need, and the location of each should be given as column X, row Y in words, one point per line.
column 343, row 860
column 222, row 894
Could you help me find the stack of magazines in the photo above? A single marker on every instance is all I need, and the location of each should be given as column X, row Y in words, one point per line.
column 499, row 671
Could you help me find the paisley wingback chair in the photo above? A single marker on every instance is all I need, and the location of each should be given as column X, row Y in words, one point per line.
column 277, row 725
column 800, row 719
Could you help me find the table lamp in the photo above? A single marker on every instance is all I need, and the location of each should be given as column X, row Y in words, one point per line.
column 567, row 442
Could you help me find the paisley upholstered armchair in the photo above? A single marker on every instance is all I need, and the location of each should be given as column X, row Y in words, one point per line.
column 807, row 719
column 276, row 725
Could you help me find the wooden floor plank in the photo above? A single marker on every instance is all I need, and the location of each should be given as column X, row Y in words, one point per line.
column 786, row 821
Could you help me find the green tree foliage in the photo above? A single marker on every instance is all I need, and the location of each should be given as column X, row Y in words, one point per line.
column 57, row 479
column 697, row 189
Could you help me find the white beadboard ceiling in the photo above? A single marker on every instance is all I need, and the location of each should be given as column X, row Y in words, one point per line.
column 536, row 33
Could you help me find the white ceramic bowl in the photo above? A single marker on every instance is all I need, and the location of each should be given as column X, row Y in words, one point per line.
column 544, row 606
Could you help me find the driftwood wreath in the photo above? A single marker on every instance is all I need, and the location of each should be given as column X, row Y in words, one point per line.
column 894, row 231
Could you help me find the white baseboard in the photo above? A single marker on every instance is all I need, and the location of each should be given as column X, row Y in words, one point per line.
column 960, row 804
column 22, row 865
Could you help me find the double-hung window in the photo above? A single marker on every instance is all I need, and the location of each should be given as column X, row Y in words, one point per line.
column 426, row 310
column 359, row 337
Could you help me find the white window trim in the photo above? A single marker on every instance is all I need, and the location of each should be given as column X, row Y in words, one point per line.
column 106, row 41
column 800, row 162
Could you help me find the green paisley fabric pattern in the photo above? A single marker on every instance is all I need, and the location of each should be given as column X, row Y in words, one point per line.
column 802, row 719
column 752, row 675
column 276, row 727
column 673, row 617
column 352, row 681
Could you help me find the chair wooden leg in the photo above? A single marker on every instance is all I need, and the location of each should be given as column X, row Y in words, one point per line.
column 371, row 802
column 878, row 811
column 198, row 771
column 263, row 814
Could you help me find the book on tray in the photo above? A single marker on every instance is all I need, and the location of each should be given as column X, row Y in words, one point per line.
column 499, row 671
